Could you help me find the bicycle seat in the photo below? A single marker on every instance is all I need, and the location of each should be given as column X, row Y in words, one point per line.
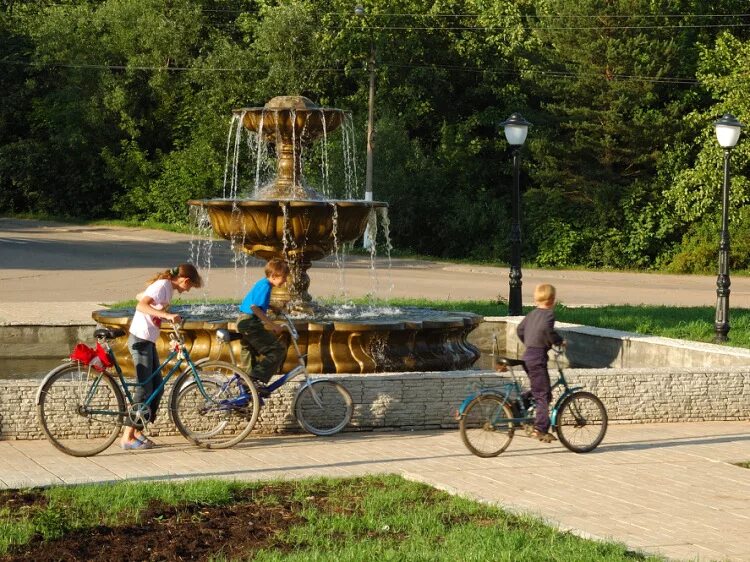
column 108, row 333
column 226, row 336
column 508, row 362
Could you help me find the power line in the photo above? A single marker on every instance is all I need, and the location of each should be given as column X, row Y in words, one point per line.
column 545, row 28
column 525, row 17
column 556, row 74
column 350, row 14
column 551, row 73
column 152, row 68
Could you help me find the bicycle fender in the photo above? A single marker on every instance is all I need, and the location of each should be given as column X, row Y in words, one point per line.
column 49, row 375
column 304, row 385
column 555, row 409
column 470, row 397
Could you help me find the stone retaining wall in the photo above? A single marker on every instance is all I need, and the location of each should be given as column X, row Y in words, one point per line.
column 427, row 400
column 604, row 348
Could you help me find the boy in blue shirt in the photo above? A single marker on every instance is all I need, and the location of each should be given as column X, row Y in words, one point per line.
column 259, row 333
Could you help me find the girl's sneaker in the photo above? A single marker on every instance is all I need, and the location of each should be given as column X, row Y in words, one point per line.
column 146, row 441
column 136, row 445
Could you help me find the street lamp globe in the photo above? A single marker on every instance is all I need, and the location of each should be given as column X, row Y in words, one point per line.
column 516, row 128
column 359, row 10
column 728, row 130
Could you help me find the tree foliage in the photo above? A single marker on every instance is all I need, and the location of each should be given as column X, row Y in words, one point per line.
column 120, row 108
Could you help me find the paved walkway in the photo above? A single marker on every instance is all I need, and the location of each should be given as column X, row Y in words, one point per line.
column 661, row 488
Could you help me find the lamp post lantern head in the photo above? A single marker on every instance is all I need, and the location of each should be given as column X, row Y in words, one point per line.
column 359, row 10
column 728, row 130
column 516, row 128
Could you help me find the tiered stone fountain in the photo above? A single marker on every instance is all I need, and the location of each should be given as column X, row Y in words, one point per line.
column 288, row 219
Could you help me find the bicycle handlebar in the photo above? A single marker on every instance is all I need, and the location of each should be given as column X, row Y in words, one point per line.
column 176, row 330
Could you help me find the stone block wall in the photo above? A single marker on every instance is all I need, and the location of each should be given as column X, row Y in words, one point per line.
column 420, row 401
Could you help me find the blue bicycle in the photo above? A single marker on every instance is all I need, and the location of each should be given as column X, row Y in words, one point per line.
column 489, row 417
column 322, row 406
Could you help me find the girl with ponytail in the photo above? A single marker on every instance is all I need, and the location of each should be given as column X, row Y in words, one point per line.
column 152, row 308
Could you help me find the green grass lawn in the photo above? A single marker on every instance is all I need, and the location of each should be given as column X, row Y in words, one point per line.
column 687, row 323
column 371, row 518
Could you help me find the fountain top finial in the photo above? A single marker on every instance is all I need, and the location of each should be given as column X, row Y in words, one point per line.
column 291, row 102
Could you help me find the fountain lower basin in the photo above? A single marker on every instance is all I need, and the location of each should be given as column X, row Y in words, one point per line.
column 373, row 341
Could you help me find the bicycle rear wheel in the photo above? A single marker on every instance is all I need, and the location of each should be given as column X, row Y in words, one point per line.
column 487, row 426
column 80, row 410
column 581, row 422
column 323, row 407
column 220, row 411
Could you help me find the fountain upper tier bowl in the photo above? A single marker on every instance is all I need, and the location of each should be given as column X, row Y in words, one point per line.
column 288, row 228
column 289, row 123
column 293, row 118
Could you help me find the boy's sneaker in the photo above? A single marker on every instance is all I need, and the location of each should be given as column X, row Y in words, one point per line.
column 543, row 437
column 263, row 391
column 261, row 386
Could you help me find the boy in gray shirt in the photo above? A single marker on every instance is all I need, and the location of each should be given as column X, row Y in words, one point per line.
column 537, row 332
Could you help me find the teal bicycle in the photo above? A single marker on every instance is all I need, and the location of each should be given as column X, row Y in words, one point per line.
column 82, row 409
column 489, row 417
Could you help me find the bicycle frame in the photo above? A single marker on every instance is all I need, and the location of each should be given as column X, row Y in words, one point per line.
column 179, row 349
column 301, row 367
column 511, row 392
column 568, row 390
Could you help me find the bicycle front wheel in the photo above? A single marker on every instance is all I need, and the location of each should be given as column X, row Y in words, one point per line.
column 80, row 410
column 487, row 426
column 216, row 407
column 581, row 422
column 323, row 407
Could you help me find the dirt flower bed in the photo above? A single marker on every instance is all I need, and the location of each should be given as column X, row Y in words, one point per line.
column 162, row 532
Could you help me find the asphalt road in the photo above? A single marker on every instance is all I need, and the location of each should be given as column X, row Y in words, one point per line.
column 50, row 267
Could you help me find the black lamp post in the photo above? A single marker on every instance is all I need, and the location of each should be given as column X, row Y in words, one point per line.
column 360, row 11
column 727, row 133
column 515, row 128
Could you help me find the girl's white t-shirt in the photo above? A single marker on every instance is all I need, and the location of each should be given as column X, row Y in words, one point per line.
column 145, row 326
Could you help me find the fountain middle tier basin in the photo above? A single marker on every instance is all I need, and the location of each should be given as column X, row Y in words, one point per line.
column 288, row 228
column 360, row 340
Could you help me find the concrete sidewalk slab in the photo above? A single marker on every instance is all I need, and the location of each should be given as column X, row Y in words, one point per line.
column 663, row 488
